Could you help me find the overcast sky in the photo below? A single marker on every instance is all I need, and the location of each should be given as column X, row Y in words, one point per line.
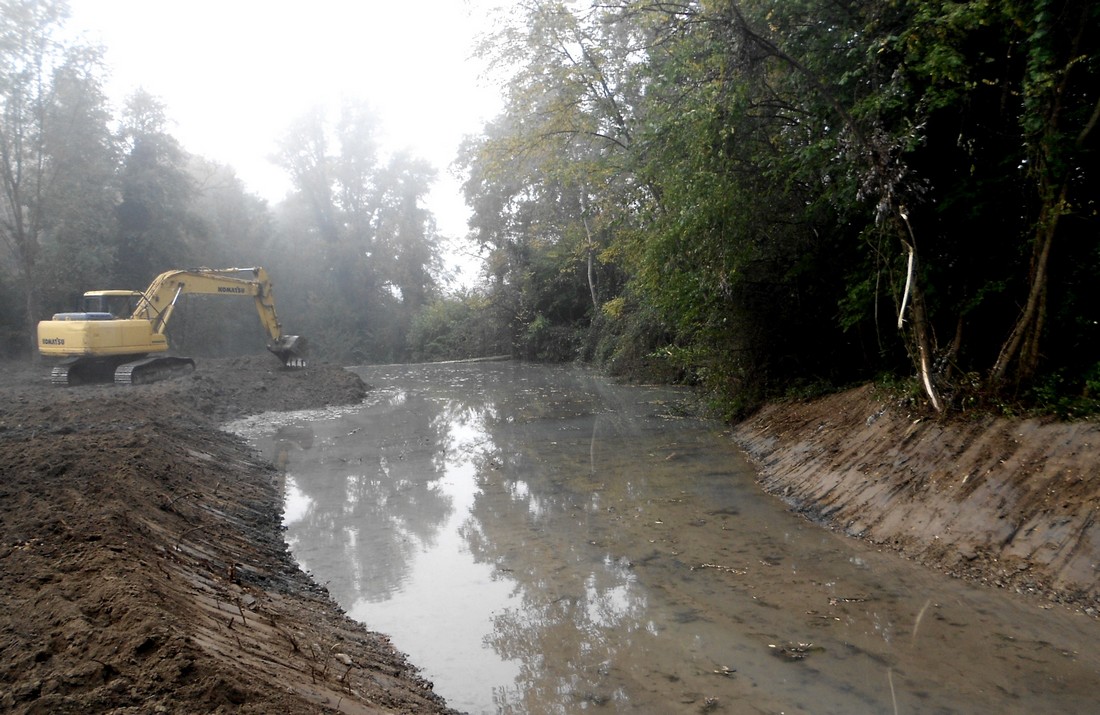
column 234, row 74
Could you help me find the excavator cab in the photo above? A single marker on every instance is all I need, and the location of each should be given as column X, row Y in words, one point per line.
column 118, row 303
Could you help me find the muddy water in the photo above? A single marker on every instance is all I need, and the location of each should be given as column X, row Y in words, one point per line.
column 539, row 540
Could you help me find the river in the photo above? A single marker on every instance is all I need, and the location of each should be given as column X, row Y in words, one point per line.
column 542, row 540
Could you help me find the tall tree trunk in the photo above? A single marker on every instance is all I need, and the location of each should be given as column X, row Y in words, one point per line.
column 922, row 343
column 33, row 309
column 591, row 250
column 1022, row 345
column 591, row 267
column 21, row 236
column 922, row 336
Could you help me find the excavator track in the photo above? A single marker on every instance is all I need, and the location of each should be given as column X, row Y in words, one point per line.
column 154, row 369
column 82, row 371
column 60, row 376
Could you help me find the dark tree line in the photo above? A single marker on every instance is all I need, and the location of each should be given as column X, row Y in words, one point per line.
column 91, row 197
column 761, row 196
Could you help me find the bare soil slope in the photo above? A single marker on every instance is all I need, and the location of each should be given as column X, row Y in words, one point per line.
column 144, row 569
column 1008, row 502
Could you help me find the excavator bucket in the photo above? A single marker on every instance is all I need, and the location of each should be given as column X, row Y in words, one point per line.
column 290, row 349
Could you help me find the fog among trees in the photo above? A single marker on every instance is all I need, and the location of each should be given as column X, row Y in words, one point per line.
column 759, row 198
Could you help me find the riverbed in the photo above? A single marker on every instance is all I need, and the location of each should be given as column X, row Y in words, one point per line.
column 542, row 540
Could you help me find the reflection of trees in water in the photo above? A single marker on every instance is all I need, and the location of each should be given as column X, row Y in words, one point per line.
column 375, row 500
column 570, row 630
column 559, row 455
column 544, row 445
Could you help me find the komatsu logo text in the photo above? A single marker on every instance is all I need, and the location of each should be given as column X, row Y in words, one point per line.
column 231, row 289
column 53, row 341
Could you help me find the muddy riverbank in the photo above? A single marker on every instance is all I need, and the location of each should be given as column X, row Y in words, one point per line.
column 1011, row 503
column 143, row 560
column 540, row 539
column 145, row 569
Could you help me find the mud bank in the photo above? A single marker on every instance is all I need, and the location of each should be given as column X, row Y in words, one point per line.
column 1010, row 503
column 143, row 560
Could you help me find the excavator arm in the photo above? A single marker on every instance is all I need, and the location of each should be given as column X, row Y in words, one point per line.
column 162, row 295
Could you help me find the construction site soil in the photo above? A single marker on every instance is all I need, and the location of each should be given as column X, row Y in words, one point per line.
column 144, row 569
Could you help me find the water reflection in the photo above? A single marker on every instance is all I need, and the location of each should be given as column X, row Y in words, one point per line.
column 374, row 497
column 541, row 541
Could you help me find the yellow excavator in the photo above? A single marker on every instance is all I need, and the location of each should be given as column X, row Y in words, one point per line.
column 121, row 332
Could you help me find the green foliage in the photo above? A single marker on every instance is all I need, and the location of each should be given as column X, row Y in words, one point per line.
column 763, row 171
column 1070, row 397
column 625, row 338
column 456, row 328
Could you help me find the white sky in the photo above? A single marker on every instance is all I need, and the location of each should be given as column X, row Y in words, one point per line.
column 234, row 74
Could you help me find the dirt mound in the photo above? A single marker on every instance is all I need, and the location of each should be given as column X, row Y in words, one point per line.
column 1011, row 503
column 144, row 565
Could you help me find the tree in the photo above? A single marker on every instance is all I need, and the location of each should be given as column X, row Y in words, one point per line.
column 920, row 125
column 1061, row 108
column 157, row 227
column 772, row 187
column 374, row 248
column 405, row 233
column 239, row 225
column 78, row 251
column 50, row 109
column 551, row 176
